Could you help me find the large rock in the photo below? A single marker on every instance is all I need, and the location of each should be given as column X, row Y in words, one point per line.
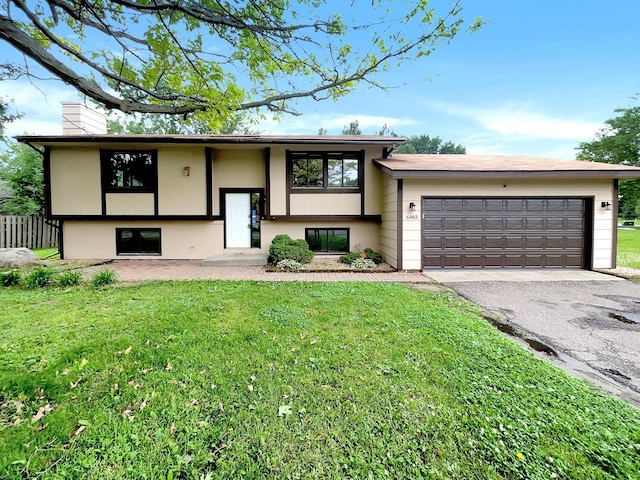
column 17, row 257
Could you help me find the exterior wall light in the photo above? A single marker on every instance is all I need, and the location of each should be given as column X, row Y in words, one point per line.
column 412, row 207
column 605, row 205
column 186, row 171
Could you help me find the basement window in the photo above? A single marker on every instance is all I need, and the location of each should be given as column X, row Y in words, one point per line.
column 328, row 240
column 138, row 241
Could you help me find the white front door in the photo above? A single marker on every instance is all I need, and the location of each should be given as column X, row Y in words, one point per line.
column 238, row 220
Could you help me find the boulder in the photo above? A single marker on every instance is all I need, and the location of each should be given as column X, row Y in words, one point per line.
column 17, row 257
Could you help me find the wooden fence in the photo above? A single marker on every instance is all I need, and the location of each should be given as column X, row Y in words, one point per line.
column 29, row 232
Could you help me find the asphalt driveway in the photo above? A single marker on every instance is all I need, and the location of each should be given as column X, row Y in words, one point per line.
column 589, row 325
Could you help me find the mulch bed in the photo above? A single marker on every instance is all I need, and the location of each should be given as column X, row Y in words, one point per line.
column 335, row 265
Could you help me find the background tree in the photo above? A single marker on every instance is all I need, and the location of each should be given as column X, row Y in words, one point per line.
column 619, row 142
column 427, row 144
column 21, row 172
column 352, row 129
column 158, row 124
column 215, row 57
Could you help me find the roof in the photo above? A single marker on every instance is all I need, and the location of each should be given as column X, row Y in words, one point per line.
column 498, row 166
column 377, row 140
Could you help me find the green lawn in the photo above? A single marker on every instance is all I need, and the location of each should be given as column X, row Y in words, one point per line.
column 215, row 379
column 629, row 248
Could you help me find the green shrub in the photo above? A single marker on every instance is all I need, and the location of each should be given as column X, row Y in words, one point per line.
column 363, row 264
column 104, row 277
column 288, row 264
column 284, row 248
column 39, row 277
column 350, row 257
column 10, row 278
column 368, row 253
column 70, row 278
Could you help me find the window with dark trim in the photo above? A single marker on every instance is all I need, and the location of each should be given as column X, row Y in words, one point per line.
column 329, row 240
column 138, row 241
column 129, row 171
column 328, row 171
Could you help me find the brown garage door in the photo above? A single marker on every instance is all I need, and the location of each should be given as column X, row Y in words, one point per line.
column 503, row 232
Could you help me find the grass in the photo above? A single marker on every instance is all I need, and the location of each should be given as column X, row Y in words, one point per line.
column 48, row 253
column 629, row 248
column 215, row 379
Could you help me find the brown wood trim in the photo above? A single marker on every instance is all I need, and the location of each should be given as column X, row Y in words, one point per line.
column 587, row 234
column 324, row 191
column 614, row 224
column 361, row 184
column 267, row 180
column 399, row 224
column 46, row 177
column 326, row 218
column 289, row 180
column 156, row 208
column 208, row 159
column 133, row 218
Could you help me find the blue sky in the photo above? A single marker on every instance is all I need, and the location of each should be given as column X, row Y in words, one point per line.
column 537, row 79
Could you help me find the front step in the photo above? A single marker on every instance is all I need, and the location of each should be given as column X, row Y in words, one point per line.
column 235, row 259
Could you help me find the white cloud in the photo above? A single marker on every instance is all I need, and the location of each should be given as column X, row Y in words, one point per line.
column 521, row 121
column 40, row 106
column 334, row 122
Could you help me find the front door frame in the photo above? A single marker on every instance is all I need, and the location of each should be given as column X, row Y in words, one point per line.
column 223, row 205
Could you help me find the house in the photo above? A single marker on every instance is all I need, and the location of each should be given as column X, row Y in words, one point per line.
column 199, row 196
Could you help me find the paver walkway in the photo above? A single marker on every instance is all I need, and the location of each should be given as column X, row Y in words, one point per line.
column 141, row 270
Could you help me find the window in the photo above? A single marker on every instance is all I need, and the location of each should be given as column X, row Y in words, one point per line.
column 325, row 170
column 330, row 240
column 138, row 241
column 129, row 171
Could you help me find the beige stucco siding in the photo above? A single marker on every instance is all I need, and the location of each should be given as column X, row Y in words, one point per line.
column 373, row 197
column 183, row 240
column 278, row 179
column 325, row 204
column 389, row 227
column 601, row 190
column 179, row 194
column 75, row 182
column 195, row 239
column 237, row 169
column 130, row 203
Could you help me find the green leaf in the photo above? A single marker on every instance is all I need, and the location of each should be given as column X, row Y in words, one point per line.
column 284, row 410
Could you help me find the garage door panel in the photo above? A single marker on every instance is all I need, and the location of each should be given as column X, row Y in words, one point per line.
column 492, row 205
column 535, row 205
column 556, row 205
column 515, row 205
column 472, row 242
column 514, row 242
column 493, row 224
column 513, row 260
column 555, row 224
column 453, row 224
column 503, row 232
column 573, row 242
column 432, row 242
column 473, row 224
column 452, row 243
column 493, row 242
column 473, row 205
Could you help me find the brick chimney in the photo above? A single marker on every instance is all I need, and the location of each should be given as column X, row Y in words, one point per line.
column 78, row 119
